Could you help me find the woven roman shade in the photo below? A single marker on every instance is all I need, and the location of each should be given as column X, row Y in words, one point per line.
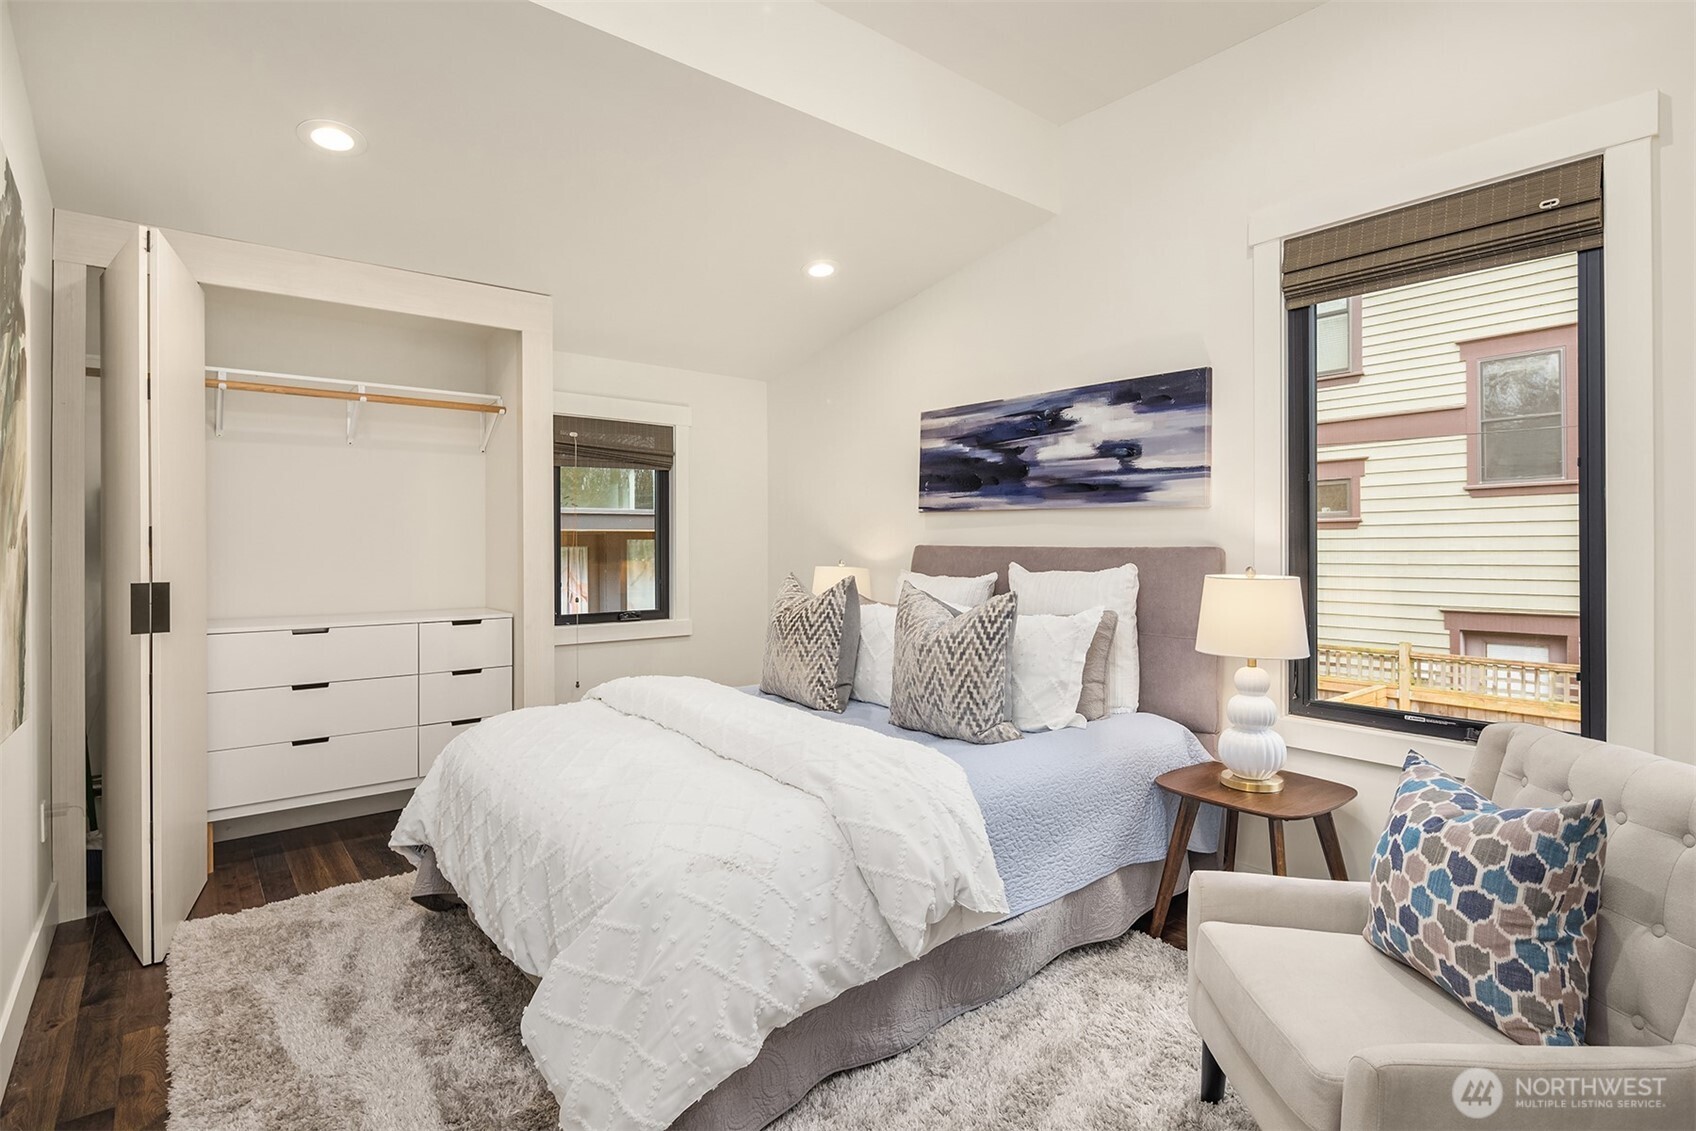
column 1540, row 214
column 611, row 443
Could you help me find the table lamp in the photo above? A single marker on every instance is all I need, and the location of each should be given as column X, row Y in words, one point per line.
column 826, row 576
column 1260, row 618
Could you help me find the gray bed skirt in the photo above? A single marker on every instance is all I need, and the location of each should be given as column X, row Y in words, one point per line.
column 897, row 1011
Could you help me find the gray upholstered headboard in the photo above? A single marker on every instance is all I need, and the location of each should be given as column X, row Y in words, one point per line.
column 1177, row 681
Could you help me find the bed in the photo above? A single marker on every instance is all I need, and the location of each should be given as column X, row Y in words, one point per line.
column 1078, row 833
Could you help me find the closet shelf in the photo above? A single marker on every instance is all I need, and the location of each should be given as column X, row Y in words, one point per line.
column 356, row 393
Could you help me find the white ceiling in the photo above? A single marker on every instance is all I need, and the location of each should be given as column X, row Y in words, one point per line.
column 665, row 179
column 1063, row 58
column 669, row 213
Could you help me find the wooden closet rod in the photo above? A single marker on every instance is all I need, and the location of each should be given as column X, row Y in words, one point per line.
column 349, row 395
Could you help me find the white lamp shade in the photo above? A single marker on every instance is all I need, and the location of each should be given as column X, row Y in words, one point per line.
column 826, row 576
column 1254, row 616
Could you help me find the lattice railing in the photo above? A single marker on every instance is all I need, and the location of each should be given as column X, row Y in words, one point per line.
column 1471, row 675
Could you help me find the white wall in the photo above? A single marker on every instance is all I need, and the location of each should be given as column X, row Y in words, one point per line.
column 1148, row 270
column 727, row 527
column 299, row 521
column 25, row 757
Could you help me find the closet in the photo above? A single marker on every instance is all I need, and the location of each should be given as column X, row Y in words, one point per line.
column 324, row 543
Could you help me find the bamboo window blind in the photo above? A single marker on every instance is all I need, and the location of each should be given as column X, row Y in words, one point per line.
column 1528, row 217
column 612, row 443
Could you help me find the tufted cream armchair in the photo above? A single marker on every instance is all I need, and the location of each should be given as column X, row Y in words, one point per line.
column 1316, row 1029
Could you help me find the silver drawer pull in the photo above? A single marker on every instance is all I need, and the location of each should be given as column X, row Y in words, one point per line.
column 308, row 686
column 308, row 631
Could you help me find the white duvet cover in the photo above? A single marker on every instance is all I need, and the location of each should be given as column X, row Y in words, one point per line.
column 688, row 868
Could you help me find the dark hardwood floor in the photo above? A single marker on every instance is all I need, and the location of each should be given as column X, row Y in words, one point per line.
column 93, row 1050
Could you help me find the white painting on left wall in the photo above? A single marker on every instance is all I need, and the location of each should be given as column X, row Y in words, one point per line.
column 14, row 460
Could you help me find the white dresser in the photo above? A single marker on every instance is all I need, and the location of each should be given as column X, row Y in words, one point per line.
column 305, row 710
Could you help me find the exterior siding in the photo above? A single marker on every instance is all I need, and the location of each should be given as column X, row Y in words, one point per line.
column 1408, row 355
column 1424, row 543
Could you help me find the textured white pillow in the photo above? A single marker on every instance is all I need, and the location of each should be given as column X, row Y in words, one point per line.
column 1048, row 668
column 874, row 671
column 1072, row 591
column 964, row 591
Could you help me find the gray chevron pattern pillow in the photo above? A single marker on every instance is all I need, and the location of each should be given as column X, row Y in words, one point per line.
column 812, row 644
column 953, row 670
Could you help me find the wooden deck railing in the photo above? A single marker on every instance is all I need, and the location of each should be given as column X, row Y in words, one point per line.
column 1472, row 687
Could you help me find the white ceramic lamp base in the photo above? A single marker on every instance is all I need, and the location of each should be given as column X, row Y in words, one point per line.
column 1251, row 750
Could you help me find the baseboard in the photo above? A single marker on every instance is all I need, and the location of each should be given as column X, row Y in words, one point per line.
column 21, row 994
column 232, row 828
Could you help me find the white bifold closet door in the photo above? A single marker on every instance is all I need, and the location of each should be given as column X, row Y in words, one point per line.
column 153, row 553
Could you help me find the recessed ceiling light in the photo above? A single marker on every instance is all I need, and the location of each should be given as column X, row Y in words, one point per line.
column 335, row 137
column 821, row 269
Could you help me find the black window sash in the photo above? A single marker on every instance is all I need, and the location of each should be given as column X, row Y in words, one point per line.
column 662, row 562
column 1303, row 490
column 1592, row 501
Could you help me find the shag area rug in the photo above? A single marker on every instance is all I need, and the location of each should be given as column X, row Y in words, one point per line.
column 356, row 1008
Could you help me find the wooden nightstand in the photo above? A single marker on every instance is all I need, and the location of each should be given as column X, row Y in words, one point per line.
column 1303, row 798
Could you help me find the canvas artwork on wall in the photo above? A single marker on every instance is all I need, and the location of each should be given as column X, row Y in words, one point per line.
column 14, row 461
column 1142, row 440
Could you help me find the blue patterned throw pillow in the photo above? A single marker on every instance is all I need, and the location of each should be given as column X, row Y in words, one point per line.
column 1497, row 906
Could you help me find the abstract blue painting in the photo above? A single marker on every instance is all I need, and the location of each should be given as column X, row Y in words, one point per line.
column 1142, row 440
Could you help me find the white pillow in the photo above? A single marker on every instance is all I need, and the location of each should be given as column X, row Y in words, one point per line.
column 966, row 591
column 1048, row 668
column 1073, row 591
column 874, row 671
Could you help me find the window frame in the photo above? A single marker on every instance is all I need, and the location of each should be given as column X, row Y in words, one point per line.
column 662, row 560
column 1353, row 370
column 680, row 418
column 1468, row 626
column 1562, row 340
column 1302, row 469
column 1334, row 471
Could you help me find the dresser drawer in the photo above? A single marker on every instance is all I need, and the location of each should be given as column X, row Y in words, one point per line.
column 433, row 739
column 238, row 661
column 445, row 697
column 252, row 775
column 314, row 710
column 451, row 646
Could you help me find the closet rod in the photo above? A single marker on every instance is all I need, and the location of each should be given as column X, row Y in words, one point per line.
column 355, row 393
column 349, row 395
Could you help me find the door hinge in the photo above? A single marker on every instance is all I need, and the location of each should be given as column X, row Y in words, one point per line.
column 150, row 607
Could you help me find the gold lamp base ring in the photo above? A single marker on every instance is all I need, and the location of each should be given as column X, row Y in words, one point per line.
column 1273, row 784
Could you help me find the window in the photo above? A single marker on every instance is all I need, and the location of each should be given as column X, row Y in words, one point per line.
column 613, row 483
column 1500, row 649
column 1337, row 340
column 1497, row 633
column 1468, row 587
column 1521, row 421
column 1336, row 498
column 1337, row 494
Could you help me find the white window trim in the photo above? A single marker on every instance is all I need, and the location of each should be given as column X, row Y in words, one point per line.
column 1623, row 133
column 680, row 418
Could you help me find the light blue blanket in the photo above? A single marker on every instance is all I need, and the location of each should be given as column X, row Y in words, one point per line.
column 1064, row 808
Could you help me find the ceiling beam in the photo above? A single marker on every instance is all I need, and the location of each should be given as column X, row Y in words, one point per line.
column 807, row 57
